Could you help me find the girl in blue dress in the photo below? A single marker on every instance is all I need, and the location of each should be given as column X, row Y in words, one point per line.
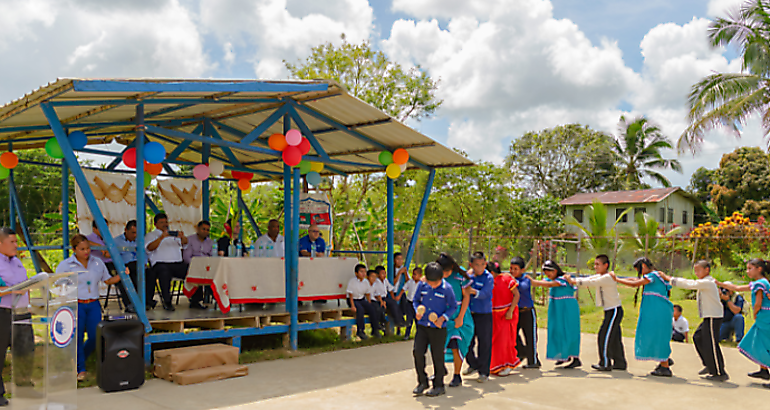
column 460, row 325
column 563, row 317
column 653, row 330
column 756, row 344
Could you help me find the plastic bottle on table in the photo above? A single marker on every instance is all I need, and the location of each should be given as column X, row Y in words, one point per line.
column 231, row 251
column 312, row 250
column 252, row 253
column 238, row 250
column 214, row 251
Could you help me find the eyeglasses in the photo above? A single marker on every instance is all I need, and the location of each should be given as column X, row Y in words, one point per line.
column 314, row 231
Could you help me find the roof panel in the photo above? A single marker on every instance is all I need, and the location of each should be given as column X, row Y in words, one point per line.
column 622, row 197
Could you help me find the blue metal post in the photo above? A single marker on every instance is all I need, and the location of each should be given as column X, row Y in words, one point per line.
column 141, row 212
column 11, row 208
column 240, row 215
column 391, row 247
column 65, row 208
column 205, row 157
column 287, row 224
column 297, row 186
column 24, row 228
column 420, row 215
column 80, row 178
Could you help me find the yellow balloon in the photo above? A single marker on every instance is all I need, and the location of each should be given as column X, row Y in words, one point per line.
column 316, row 166
column 393, row 171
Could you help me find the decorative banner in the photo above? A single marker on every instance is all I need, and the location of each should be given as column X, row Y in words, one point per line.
column 182, row 199
column 116, row 196
column 316, row 207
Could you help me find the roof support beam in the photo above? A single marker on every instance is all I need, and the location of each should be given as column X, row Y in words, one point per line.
column 212, row 141
column 308, row 134
column 267, row 123
column 197, row 86
column 115, row 162
column 164, row 101
column 211, row 131
column 183, row 146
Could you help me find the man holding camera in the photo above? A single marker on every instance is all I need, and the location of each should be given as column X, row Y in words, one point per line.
column 733, row 320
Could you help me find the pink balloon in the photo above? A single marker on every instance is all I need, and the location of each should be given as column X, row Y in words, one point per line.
column 293, row 137
column 201, row 172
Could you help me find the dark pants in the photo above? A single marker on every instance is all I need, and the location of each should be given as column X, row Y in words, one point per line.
column 526, row 336
column 706, row 339
column 611, row 352
column 436, row 338
column 23, row 340
column 165, row 271
column 394, row 311
column 677, row 337
column 482, row 333
column 410, row 314
column 363, row 307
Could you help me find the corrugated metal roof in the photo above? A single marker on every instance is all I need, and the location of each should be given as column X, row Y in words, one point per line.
column 358, row 136
column 624, row 197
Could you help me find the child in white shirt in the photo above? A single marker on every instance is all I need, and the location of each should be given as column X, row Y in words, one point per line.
column 681, row 327
column 408, row 291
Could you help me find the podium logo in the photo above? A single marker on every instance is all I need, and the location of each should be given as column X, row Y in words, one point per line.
column 62, row 327
column 123, row 354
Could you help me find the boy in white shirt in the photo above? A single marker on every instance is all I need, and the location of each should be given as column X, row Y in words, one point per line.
column 612, row 356
column 706, row 337
column 407, row 293
column 386, row 289
column 359, row 292
column 681, row 326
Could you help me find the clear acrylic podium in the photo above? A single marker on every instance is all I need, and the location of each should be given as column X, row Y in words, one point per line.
column 44, row 342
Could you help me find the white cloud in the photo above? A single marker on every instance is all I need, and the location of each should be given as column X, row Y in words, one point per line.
column 720, row 8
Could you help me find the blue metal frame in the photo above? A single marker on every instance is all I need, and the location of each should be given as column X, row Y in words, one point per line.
column 65, row 209
column 391, row 229
column 11, row 205
column 240, row 216
column 420, row 216
column 308, row 134
column 193, row 87
column 249, row 216
column 287, row 231
column 118, row 158
column 212, row 141
column 141, row 220
column 22, row 223
column 151, row 204
column 294, row 278
column 267, row 123
column 72, row 161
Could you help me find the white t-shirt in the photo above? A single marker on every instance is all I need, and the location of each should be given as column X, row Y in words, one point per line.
column 169, row 250
column 388, row 286
column 378, row 289
column 410, row 288
column 358, row 288
column 267, row 248
column 681, row 325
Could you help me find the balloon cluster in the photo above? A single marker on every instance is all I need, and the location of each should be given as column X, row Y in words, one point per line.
column 311, row 171
column 8, row 161
column 77, row 140
column 154, row 154
column 244, row 180
column 395, row 163
column 292, row 145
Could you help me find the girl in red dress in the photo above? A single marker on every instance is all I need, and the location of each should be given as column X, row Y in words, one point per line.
column 505, row 320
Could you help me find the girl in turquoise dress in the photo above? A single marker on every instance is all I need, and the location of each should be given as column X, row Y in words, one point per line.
column 756, row 344
column 563, row 317
column 653, row 330
column 460, row 325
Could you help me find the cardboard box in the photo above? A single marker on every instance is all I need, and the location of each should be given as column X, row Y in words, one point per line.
column 171, row 361
column 210, row 373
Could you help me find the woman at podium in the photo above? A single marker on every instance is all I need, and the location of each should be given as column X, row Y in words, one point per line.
column 90, row 271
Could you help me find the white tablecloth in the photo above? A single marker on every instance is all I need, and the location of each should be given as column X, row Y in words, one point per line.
column 262, row 280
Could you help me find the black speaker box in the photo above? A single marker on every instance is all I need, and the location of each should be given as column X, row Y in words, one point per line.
column 120, row 355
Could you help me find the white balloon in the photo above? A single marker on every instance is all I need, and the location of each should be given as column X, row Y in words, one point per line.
column 403, row 168
column 216, row 168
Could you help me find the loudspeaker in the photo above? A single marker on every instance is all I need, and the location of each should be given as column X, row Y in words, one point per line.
column 120, row 355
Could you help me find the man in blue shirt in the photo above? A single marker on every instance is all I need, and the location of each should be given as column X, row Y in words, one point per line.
column 126, row 243
column 732, row 321
column 435, row 303
column 312, row 245
column 526, row 346
column 482, row 283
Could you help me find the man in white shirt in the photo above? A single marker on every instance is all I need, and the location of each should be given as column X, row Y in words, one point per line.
column 164, row 249
column 706, row 336
column 612, row 355
column 271, row 244
column 359, row 292
column 681, row 326
column 387, row 291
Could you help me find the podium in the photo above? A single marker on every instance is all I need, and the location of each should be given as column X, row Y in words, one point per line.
column 44, row 342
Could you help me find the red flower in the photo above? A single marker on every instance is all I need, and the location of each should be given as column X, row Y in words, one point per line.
column 208, row 268
column 253, row 288
column 224, row 286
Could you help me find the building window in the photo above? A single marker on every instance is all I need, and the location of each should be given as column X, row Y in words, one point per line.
column 670, row 215
column 662, row 215
column 619, row 211
column 639, row 211
column 578, row 215
column 684, row 217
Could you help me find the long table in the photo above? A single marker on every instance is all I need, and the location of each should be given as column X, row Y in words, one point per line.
column 263, row 280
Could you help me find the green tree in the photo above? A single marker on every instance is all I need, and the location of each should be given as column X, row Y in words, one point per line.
column 743, row 175
column 701, row 183
column 729, row 99
column 563, row 161
column 638, row 151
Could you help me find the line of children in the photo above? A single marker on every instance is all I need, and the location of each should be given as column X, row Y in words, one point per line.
column 460, row 325
column 359, row 292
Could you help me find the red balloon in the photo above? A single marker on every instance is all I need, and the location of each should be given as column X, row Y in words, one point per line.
column 129, row 158
column 236, row 175
column 304, row 146
column 292, row 156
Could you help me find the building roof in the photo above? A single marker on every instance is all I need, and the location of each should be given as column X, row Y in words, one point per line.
column 348, row 130
column 626, row 197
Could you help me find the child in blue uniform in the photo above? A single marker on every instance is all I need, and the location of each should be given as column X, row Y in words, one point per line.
column 434, row 303
column 482, row 283
column 460, row 325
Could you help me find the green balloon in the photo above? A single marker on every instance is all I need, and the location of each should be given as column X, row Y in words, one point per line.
column 4, row 172
column 147, row 179
column 53, row 149
column 386, row 158
column 304, row 167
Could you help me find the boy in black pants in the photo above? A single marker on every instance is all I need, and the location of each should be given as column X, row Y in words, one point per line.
column 434, row 302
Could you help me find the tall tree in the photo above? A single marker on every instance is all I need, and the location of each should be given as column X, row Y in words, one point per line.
column 729, row 99
column 743, row 177
column 701, row 182
column 563, row 161
column 638, row 152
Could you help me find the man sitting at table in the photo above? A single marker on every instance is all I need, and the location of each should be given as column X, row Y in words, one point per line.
column 95, row 239
column 312, row 244
column 126, row 243
column 271, row 244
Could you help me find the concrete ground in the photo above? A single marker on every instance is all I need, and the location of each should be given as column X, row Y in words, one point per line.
column 382, row 377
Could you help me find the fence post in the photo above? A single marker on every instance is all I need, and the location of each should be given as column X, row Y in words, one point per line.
column 615, row 252
column 673, row 252
column 577, row 263
column 646, row 242
column 695, row 250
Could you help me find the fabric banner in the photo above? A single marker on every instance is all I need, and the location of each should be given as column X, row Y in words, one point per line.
column 182, row 200
column 116, row 196
column 316, row 207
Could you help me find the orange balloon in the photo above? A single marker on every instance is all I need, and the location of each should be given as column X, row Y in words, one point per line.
column 277, row 142
column 400, row 156
column 244, row 185
column 153, row 169
column 9, row 160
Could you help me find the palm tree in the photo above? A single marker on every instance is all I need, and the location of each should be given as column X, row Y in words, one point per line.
column 638, row 153
column 728, row 99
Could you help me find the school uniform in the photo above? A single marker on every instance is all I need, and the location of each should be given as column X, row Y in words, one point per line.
column 378, row 289
column 410, row 288
column 526, row 334
column 441, row 301
column 481, row 311
column 706, row 336
column 384, row 290
column 403, row 303
column 610, row 340
column 680, row 327
column 358, row 289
